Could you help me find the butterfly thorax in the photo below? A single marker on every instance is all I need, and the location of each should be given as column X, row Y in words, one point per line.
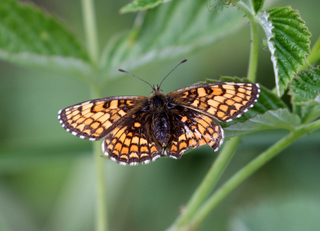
column 161, row 124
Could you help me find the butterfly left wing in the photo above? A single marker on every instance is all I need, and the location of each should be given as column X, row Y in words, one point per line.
column 224, row 101
column 94, row 119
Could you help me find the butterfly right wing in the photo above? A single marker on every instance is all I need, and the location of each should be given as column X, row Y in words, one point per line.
column 94, row 119
column 224, row 101
column 192, row 129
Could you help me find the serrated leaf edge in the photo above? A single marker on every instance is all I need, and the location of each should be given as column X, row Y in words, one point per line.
column 311, row 102
column 263, row 19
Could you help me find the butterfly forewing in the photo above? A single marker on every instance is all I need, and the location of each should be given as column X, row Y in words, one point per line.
column 94, row 119
column 224, row 101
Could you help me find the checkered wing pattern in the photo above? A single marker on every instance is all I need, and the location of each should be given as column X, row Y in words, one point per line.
column 127, row 122
column 94, row 119
column 224, row 101
column 192, row 129
column 132, row 141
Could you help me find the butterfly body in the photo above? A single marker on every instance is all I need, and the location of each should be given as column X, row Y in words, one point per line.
column 138, row 129
column 160, row 105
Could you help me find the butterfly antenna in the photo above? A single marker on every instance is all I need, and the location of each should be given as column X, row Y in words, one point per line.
column 183, row 61
column 136, row 77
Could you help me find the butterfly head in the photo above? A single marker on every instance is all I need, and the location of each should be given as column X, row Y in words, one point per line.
column 156, row 89
column 157, row 100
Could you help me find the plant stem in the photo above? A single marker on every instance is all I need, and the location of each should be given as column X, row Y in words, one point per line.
column 247, row 171
column 207, row 184
column 90, row 30
column 313, row 57
column 101, row 203
column 254, row 50
column 101, row 194
column 93, row 50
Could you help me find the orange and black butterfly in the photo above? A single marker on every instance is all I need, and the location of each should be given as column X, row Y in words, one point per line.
column 139, row 129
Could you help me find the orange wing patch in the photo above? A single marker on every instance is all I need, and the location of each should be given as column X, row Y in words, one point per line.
column 224, row 101
column 193, row 129
column 94, row 119
column 130, row 142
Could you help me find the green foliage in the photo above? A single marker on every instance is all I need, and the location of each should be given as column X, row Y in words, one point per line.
column 257, row 5
column 137, row 5
column 288, row 41
column 167, row 32
column 305, row 94
column 305, row 87
column 308, row 113
column 279, row 119
column 31, row 37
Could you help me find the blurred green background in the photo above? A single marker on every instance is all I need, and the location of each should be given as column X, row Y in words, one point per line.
column 47, row 176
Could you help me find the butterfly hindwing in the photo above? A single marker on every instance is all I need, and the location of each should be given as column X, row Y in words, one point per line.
column 132, row 142
column 94, row 119
column 192, row 129
column 224, row 101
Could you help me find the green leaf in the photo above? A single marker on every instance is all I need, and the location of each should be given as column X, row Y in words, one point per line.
column 288, row 42
column 305, row 92
column 31, row 37
column 279, row 119
column 170, row 30
column 257, row 5
column 137, row 5
column 307, row 113
column 305, row 88
column 267, row 101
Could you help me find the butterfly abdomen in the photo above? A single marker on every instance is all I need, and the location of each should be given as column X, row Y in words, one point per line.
column 160, row 120
column 161, row 128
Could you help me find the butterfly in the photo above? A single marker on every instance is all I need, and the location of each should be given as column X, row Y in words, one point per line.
column 139, row 129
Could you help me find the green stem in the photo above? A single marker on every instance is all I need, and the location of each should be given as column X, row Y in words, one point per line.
column 247, row 171
column 254, row 50
column 90, row 30
column 313, row 57
column 207, row 184
column 101, row 203
column 101, row 195
column 93, row 50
